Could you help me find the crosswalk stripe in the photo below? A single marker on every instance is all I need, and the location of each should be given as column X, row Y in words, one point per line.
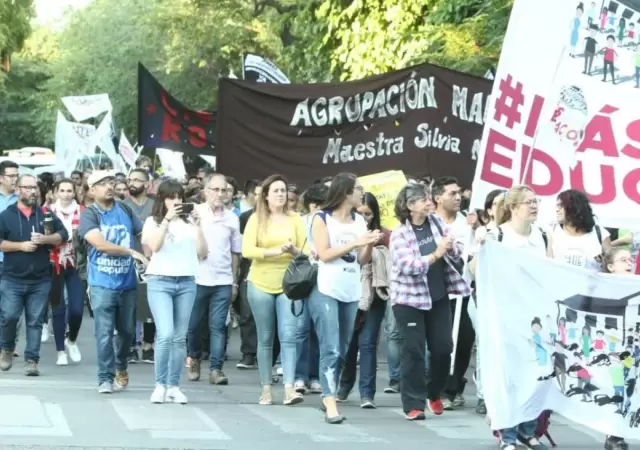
column 22, row 415
column 455, row 425
column 308, row 422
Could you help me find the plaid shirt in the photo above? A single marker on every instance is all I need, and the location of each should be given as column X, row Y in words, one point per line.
column 409, row 269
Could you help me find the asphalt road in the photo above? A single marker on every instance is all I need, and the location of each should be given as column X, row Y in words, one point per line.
column 62, row 410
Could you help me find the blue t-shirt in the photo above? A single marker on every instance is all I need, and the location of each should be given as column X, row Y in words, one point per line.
column 116, row 227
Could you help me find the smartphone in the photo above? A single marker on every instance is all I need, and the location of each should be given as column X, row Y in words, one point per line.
column 187, row 208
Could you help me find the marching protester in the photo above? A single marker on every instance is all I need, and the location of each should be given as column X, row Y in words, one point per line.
column 110, row 227
column 8, row 177
column 516, row 214
column 66, row 276
column 176, row 241
column 445, row 192
column 342, row 243
column 141, row 205
column 272, row 237
column 577, row 239
column 371, row 310
column 216, row 280
column 307, row 367
column 28, row 233
column 425, row 260
column 248, row 200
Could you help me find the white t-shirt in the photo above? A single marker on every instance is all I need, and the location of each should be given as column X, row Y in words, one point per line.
column 178, row 256
column 340, row 278
column 579, row 251
column 534, row 242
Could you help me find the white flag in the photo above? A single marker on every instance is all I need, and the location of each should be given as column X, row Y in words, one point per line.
column 68, row 145
column 172, row 163
column 87, row 106
column 126, row 150
column 103, row 138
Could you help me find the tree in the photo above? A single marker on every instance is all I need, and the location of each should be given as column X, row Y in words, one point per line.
column 15, row 25
column 367, row 37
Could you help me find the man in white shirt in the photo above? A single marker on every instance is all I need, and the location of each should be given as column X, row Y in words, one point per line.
column 446, row 197
column 216, row 280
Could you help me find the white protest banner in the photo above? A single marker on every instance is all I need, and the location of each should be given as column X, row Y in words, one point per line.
column 126, row 150
column 68, row 145
column 556, row 337
column 87, row 106
column 103, row 138
column 86, row 132
column 211, row 160
column 172, row 163
column 553, row 96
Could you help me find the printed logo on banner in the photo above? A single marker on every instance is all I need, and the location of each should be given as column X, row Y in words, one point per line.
column 564, row 114
column 569, row 344
column 421, row 120
column 261, row 70
column 165, row 123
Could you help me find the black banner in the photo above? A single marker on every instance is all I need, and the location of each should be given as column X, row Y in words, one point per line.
column 424, row 120
column 259, row 69
column 163, row 122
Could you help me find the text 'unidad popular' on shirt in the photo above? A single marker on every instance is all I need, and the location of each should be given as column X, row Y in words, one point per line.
column 116, row 227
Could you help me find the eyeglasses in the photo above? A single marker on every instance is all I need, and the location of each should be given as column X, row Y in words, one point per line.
column 532, row 202
column 216, row 190
column 133, row 180
column 624, row 260
column 29, row 188
column 14, row 175
column 359, row 188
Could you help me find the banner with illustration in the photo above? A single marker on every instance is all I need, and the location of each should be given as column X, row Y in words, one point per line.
column 423, row 120
column 85, row 107
column 259, row 69
column 385, row 186
column 164, row 122
column 564, row 114
column 557, row 337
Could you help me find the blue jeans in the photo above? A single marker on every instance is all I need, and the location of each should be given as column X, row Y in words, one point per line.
column 32, row 299
column 334, row 322
column 525, row 429
column 365, row 339
column 211, row 301
column 71, row 312
column 265, row 307
column 394, row 345
column 307, row 349
column 112, row 309
column 171, row 302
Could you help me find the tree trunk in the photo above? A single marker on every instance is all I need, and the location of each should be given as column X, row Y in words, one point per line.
column 5, row 60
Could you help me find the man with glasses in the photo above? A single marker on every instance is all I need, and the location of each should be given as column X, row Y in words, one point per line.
column 110, row 227
column 27, row 234
column 141, row 205
column 8, row 178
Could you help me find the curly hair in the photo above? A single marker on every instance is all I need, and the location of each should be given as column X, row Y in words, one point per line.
column 577, row 210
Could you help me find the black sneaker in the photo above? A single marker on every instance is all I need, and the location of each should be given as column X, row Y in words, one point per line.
column 148, row 356
column 134, row 356
column 615, row 443
column 247, row 362
column 393, row 388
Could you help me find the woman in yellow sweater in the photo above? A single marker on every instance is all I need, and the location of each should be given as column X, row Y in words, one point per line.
column 272, row 238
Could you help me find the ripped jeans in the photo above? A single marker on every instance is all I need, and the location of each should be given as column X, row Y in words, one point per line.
column 334, row 322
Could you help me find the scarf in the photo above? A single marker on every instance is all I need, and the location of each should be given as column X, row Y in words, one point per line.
column 64, row 256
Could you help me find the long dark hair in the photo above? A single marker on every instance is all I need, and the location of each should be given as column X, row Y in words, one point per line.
column 577, row 210
column 342, row 185
column 371, row 202
column 167, row 189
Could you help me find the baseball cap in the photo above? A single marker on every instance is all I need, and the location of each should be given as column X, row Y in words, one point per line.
column 99, row 175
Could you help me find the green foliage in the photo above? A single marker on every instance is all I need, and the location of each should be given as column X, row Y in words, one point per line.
column 367, row 37
column 15, row 17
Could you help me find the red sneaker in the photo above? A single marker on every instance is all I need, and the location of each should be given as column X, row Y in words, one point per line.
column 415, row 414
column 436, row 407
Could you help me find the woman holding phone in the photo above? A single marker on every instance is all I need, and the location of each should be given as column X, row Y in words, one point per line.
column 175, row 238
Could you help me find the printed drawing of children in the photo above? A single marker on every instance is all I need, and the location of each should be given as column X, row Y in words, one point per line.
column 627, row 362
column 575, row 29
column 562, row 330
column 610, row 56
column 622, row 26
column 590, row 49
column 598, row 342
column 553, row 332
column 636, row 57
column 586, row 342
column 631, row 34
column 592, row 15
column 613, row 341
column 611, row 20
column 603, row 18
column 572, row 331
column 616, row 372
column 541, row 351
column 559, row 358
column 584, row 378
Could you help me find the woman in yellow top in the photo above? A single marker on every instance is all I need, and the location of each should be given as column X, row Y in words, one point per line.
column 272, row 238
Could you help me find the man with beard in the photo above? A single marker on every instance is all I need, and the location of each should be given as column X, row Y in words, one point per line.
column 141, row 205
column 27, row 232
column 110, row 228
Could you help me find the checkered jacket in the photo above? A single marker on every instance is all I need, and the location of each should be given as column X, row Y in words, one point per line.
column 409, row 269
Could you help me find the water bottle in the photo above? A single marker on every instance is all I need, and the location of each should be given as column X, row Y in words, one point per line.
column 47, row 223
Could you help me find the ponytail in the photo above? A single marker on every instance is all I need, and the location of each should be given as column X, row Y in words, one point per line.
column 503, row 212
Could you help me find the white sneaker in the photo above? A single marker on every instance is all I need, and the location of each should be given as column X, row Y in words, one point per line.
column 74, row 351
column 279, row 371
column 105, row 388
column 45, row 333
column 159, row 394
column 62, row 359
column 175, row 395
column 300, row 387
column 315, row 387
